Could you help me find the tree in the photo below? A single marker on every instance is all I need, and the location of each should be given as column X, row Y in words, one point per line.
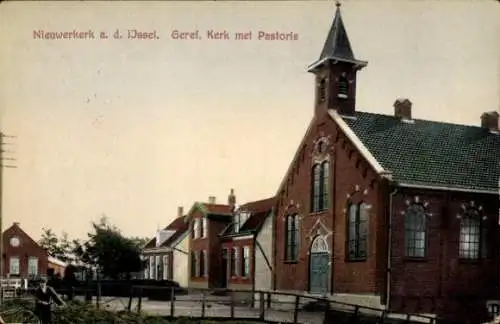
column 59, row 248
column 114, row 255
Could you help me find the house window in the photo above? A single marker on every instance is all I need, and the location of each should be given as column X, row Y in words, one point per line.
column 203, row 259
column 470, row 235
column 292, row 237
column 343, row 87
column 322, row 90
column 358, row 230
column 320, row 183
column 32, row 266
column 151, row 267
column 196, row 228
column 14, row 266
column 234, row 262
column 159, row 268
column 166, row 267
column 204, row 227
column 193, row 264
column 245, row 269
column 415, row 231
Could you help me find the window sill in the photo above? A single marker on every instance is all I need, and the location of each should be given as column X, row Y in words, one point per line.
column 318, row 212
column 363, row 259
column 415, row 259
column 469, row 261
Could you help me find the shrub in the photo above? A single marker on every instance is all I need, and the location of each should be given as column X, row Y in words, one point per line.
column 21, row 311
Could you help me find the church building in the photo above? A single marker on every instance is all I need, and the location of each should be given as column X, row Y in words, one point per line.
column 388, row 211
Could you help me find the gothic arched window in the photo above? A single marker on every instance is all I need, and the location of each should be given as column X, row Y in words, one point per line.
column 357, row 230
column 320, row 185
column 292, row 237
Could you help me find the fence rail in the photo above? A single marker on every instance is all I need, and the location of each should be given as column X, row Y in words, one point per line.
column 265, row 306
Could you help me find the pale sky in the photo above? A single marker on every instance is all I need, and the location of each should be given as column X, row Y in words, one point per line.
column 135, row 128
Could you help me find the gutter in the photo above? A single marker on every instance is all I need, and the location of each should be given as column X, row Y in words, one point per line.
column 389, row 245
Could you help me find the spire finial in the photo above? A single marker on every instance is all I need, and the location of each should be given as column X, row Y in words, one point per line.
column 337, row 4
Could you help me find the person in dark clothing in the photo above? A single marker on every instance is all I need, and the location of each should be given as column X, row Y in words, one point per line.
column 45, row 296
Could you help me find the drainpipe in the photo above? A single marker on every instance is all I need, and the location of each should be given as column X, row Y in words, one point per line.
column 389, row 248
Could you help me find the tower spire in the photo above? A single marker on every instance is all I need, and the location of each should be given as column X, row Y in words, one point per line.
column 337, row 46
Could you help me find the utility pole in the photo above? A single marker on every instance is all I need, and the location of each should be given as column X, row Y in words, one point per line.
column 3, row 164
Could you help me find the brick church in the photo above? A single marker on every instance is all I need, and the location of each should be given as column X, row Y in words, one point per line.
column 388, row 210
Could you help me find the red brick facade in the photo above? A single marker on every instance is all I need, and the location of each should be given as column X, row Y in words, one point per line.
column 238, row 280
column 18, row 244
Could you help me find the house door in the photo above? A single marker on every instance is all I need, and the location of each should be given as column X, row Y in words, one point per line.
column 223, row 269
column 319, row 266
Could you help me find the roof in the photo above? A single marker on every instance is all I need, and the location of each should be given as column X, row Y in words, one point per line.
column 431, row 153
column 182, row 227
column 258, row 210
column 337, row 45
column 214, row 211
column 177, row 225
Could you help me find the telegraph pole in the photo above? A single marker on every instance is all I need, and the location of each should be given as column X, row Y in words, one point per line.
column 3, row 164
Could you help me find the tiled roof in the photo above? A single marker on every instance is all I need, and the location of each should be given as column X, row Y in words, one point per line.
column 217, row 209
column 258, row 210
column 177, row 225
column 181, row 227
column 430, row 153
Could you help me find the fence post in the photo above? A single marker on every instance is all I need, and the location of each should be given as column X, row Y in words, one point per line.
column 172, row 302
column 139, row 302
column 326, row 318
column 408, row 318
column 355, row 315
column 296, row 309
column 261, row 305
column 202, row 304
column 268, row 299
column 129, row 306
column 382, row 317
column 232, row 304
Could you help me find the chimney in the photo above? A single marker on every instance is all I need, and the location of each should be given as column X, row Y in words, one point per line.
column 180, row 211
column 490, row 121
column 211, row 199
column 402, row 109
column 231, row 199
column 17, row 224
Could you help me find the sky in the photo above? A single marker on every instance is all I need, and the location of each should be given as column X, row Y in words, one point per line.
column 134, row 128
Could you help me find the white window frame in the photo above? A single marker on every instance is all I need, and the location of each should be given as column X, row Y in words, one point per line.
column 205, row 227
column 246, row 261
column 196, row 228
column 157, row 263
column 14, row 267
column 151, row 267
column 206, row 263
column 236, row 252
column 32, row 266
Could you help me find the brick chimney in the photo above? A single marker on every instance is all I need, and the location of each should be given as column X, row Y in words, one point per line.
column 231, row 199
column 402, row 109
column 17, row 224
column 211, row 199
column 180, row 211
column 490, row 121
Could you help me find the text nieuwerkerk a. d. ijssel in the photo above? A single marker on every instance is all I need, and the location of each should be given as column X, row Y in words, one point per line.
column 174, row 34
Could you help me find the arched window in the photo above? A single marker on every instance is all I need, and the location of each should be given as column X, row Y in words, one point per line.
column 316, row 187
column 470, row 235
column 322, row 90
column 292, row 238
column 325, row 173
column 415, row 231
column 343, row 87
column 320, row 186
column 357, row 231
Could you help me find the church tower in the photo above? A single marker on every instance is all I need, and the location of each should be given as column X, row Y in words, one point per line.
column 336, row 71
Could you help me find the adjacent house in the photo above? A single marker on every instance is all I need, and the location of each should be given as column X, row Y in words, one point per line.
column 207, row 221
column 166, row 254
column 22, row 256
column 240, row 268
column 56, row 266
column 391, row 211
